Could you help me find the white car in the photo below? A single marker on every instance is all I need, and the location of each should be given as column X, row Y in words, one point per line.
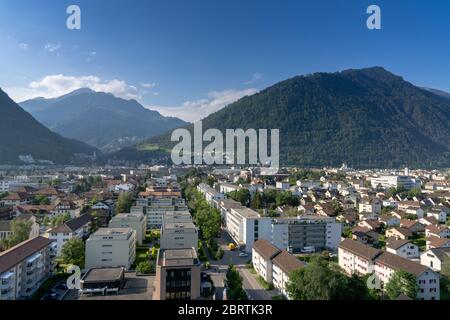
column 243, row 254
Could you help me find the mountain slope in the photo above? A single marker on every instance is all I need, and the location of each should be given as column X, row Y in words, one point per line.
column 21, row 134
column 99, row 119
column 367, row 118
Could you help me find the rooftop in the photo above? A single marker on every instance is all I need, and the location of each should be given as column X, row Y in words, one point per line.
column 103, row 274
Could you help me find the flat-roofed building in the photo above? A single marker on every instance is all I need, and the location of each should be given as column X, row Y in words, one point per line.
column 135, row 221
column 111, row 247
column 24, row 267
column 177, row 216
column 297, row 233
column 177, row 275
column 102, row 280
column 179, row 235
column 210, row 193
column 246, row 226
column 155, row 208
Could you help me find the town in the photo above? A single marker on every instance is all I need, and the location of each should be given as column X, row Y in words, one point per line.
column 224, row 233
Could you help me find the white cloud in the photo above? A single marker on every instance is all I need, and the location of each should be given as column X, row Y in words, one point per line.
column 53, row 47
column 53, row 86
column 196, row 110
column 255, row 78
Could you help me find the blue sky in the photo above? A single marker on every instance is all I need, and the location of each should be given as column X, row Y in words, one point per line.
column 190, row 58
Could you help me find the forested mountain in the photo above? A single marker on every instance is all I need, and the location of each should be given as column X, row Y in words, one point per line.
column 21, row 134
column 100, row 119
column 366, row 118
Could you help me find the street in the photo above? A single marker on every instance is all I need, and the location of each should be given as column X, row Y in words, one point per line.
column 219, row 268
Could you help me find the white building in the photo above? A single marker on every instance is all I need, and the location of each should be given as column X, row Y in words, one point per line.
column 283, row 265
column 246, row 226
column 180, row 235
column 155, row 209
column 296, row 233
column 358, row 258
column 428, row 281
column 439, row 215
column 24, row 267
column 209, row 193
column 387, row 182
column 262, row 254
column 403, row 248
column 135, row 221
column 111, row 247
column 75, row 228
column 434, row 258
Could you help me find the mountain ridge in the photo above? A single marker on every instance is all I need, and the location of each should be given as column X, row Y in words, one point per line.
column 21, row 134
column 99, row 119
column 365, row 117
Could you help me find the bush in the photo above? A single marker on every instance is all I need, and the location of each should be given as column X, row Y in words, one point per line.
column 144, row 267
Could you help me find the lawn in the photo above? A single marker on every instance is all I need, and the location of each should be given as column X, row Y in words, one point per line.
column 264, row 284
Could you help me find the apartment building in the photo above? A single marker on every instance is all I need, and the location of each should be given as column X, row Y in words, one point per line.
column 135, row 221
column 284, row 264
column 358, row 258
column 155, row 208
column 296, row 233
column 209, row 193
column 428, row 281
column 111, row 247
column 262, row 254
column 179, row 235
column 274, row 265
column 24, row 267
column 75, row 228
column 246, row 226
column 177, row 275
column 177, row 216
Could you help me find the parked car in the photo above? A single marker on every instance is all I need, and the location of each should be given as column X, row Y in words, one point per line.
column 62, row 286
column 243, row 254
column 51, row 296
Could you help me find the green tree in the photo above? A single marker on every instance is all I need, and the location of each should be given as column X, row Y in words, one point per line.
column 257, row 201
column 144, row 267
column 233, row 283
column 72, row 252
column 402, row 282
column 95, row 221
column 124, row 202
column 322, row 280
column 20, row 232
column 242, row 196
column 41, row 200
column 60, row 219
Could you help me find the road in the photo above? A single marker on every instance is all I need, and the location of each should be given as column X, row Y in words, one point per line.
column 219, row 268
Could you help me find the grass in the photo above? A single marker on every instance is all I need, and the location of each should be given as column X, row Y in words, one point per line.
column 264, row 284
column 279, row 297
column 420, row 241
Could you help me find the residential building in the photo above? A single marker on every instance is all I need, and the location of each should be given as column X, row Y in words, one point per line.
column 399, row 233
column 246, row 226
column 356, row 257
column 74, row 228
column 402, row 248
column 24, row 267
column 262, row 254
column 437, row 231
column 155, row 208
column 177, row 275
column 428, row 281
column 6, row 226
column 135, row 221
column 210, row 193
column 179, row 235
column 370, row 205
column 111, row 247
column 435, row 258
column 295, row 234
column 284, row 264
